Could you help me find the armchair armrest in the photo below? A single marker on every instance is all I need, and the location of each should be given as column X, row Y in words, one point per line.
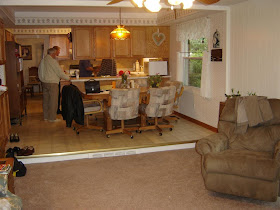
column 276, row 155
column 214, row 143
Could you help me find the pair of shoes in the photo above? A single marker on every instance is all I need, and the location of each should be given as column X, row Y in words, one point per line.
column 14, row 138
column 56, row 120
column 26, row 151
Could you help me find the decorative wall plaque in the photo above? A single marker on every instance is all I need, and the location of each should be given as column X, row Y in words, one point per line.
column 158, row 38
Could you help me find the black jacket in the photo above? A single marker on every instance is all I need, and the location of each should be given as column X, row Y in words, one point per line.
column 72, row 105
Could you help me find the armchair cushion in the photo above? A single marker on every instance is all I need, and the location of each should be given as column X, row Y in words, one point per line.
column 260, row 139
column 214, row 143
column 245, row 163
column 228, row 114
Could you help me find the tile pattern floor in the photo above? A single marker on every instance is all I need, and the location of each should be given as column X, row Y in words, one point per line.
column 55, row 137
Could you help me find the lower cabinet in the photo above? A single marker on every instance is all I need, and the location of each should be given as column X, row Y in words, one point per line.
column 5, row 124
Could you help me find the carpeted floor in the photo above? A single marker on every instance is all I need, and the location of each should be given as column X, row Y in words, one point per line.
column 162, row 180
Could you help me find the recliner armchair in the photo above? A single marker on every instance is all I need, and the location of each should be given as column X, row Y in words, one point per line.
column 243, row 164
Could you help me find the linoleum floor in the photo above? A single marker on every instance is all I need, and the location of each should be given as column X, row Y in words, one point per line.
column 55, row 137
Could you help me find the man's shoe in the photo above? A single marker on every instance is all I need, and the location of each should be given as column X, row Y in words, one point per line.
column 56, row 120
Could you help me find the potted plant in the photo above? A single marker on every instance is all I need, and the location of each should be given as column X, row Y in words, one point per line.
column 154, row 80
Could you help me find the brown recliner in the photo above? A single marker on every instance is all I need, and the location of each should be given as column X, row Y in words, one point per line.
column 243, row 164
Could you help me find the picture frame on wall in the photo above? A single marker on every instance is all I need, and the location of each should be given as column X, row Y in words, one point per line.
column 26, row 51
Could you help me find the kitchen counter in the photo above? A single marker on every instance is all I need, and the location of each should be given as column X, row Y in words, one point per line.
column 110, row 78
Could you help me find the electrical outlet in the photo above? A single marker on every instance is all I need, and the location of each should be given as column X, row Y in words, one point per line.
column 96, row 155
column 132, row 152
column 119, row 153
column 109, row 154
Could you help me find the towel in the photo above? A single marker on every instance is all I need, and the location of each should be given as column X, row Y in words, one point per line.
column 252, row 110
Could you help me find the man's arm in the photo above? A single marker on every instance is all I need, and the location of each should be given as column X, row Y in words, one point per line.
column 59, row 72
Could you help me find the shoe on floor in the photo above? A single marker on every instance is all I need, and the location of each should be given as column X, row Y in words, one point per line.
column 56, row 120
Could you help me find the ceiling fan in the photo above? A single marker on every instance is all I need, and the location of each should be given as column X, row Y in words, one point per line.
column 202, row 1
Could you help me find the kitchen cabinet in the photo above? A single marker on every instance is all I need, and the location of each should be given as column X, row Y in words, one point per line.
column 2, row 43
column 157, row 42
column 5, row 125
column 138, row 41
column 63, row 42
column 122, row 48
column 14, row 81
column 83, row 43
column 9, row 36
column 102, row 42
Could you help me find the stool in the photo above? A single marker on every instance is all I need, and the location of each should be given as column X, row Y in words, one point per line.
column 29, row 89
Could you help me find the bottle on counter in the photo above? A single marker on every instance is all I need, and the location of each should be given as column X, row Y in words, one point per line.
column 137, row 66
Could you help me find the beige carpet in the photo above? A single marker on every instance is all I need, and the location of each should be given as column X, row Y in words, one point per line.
column 163, row 180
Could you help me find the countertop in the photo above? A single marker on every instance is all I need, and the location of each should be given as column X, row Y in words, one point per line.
column 106, row 78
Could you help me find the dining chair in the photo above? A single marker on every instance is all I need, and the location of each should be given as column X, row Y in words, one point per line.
column 91, row 108
column 160, row 104
column 123, row 105
column 179, row 91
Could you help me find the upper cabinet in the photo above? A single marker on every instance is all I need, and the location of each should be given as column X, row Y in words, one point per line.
column 157, row 42
column 138, row 41
column 9, row 36
column 61, row 41
column 95, row 42
column 102, row 42
column 82, row 43
column 122, row 48
column 2, row 43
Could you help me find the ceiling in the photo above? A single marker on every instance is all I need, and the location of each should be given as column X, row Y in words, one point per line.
column 10, row 10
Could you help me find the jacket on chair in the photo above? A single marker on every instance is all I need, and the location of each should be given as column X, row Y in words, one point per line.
column 72, row 105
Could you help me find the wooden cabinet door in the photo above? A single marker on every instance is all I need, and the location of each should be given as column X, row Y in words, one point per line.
column 157, row 42
column 102, row 42
column 2, row 43
column 122, row 48
column 63, row 42
column 82, row 43
column 138, row 41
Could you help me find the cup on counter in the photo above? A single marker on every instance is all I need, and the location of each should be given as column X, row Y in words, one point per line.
column 77, row 75
column 131, row 83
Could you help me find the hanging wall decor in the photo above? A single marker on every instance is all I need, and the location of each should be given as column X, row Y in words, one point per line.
column 26, row 52
column 158, row 38
column 216, row 39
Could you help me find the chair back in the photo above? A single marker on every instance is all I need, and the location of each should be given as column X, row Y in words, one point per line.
column 33, row 75
column 108, row 67
column 161, row 101
column 179, row 89
column 124, row 103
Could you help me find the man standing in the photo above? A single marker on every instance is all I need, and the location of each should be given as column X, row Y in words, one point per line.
column 58, row 101
column 50, row 74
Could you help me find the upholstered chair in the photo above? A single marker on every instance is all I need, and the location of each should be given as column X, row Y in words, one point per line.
column 8, row 200
column 123, row 105
column 242, row 160
column 179, row 91
column 91, row 108
column 159, row 104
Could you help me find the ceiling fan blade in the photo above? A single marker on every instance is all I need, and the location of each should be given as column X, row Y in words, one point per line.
column 208, row 1
column 114, row 2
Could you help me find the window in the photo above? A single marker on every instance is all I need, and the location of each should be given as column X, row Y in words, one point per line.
column 193, row 51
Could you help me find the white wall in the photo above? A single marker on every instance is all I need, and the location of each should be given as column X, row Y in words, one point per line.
column 255, row 45
column 191, row 103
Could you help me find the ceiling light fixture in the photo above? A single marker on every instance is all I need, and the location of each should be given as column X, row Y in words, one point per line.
column 120, row 33
column 154, row 5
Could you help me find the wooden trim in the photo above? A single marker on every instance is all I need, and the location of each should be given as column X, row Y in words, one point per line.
column 209, row 127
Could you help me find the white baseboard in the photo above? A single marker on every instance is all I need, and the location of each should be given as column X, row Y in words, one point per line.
column 106, row 154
